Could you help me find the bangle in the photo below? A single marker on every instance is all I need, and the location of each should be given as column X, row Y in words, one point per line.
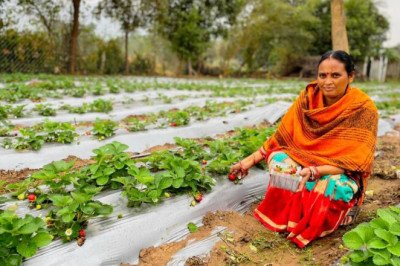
column 263, row 153
column 315, row 173
column 312, row 177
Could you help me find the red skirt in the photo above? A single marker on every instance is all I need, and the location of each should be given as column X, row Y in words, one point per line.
column 307, row 215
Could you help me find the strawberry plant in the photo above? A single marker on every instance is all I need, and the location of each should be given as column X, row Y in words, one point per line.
column 72, row 212
column 84, row 108
column 104, row 128
column 21, row 237
column 57, row 176
column 191, row 149
column 101, row 106
column 223, row 157
column 29, row 139
column 61, row 132
column 17, row 111
column 45, row 110
column 179, row 117
column 376, row 242
column 75, row 92
column 111, row 161
column 135, row 124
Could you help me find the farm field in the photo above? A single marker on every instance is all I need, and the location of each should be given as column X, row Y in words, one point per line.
column 110, row 170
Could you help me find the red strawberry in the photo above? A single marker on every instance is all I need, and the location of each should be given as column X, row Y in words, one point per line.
column 31, row 197
column 204, row 162
column 232, row 177
column 82, row 233
column 173, row 124
column 198, row 197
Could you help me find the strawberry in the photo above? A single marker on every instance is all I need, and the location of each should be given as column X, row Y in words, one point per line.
column 174, row 124
column 88, row 133
column 38, row 207
column 204, row 162
column 31, row 197
column 232, row 177
column 193, row 203
column 82, row 233
column 198, row 197
column 167, row 195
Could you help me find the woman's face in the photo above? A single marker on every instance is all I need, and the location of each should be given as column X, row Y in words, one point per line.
column 333, row 79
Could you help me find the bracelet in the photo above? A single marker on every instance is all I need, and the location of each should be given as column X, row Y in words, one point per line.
column 314, row 172
column 312, row 177
column 263, row 153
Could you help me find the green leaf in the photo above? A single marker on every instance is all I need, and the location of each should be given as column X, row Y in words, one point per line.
column 165, row 183
column 387, row 215
column 386, row 235
column 26, row 249
column 177, row 183
column 28, row 228
column 144, row 176
column 358, row 256
column 353, row 240
column 60, row 200
column 89, row 210
column 13, row 260
column 395, row 261
column 379, row 223
column 381, row 259
column 104, row 209
column 108, row 171
column 377, row 243
column 80, row 197
column 365, row 231
column 395, row 228
column 395, row 249
column 192, row 227
column 102, row 180
column 42, row 239
column 68, row 217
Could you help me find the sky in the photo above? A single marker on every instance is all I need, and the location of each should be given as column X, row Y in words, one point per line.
column 107, row 28
column 391, row 10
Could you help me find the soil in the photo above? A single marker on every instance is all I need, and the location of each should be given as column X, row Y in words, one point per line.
column 248, row 242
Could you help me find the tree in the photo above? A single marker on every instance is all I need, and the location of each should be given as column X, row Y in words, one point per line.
column 273, row 36
column 366, row 28
column 131, row 14
column 189, row 25
column 339, row 33
column 74, row 36
column 45, row 11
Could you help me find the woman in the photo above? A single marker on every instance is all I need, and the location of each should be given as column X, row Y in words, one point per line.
column 328, row 138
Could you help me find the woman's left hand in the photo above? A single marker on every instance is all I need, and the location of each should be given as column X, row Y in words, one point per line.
column 305, row 173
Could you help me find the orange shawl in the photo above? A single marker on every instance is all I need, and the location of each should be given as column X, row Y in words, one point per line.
column 343, row 134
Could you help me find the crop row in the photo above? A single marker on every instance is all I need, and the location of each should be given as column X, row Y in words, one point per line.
column 34, row 137
column 67, row 192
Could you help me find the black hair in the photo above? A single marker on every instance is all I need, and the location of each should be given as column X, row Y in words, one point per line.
column 341, row 56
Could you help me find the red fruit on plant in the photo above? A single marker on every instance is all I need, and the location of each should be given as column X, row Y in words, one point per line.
column 173, row 124
column 31, row 197
column 82, row 233
column 232, row 177
column 198, row 197
column 204, row 162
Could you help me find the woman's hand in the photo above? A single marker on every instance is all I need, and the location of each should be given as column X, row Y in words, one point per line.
column 238, row 169
column 305, row 173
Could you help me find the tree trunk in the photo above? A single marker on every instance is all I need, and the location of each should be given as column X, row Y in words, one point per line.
column 74, row 37
column 339, row 33
column 126, row 53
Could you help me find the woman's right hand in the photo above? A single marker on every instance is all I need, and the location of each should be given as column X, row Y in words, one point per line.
column 305, row 173
column 238, row 169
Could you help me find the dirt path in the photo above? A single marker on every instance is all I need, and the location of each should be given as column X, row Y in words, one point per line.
column 247, row 242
